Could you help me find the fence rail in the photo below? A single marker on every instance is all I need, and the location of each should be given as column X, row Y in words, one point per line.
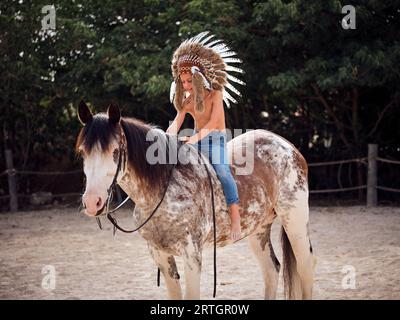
column 387, row 160
column 327, row 163
column 371, row 186
column 339, row 190
column 388, row 189
column 58, row 195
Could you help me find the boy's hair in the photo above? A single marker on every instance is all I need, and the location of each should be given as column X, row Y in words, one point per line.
column 198, row 93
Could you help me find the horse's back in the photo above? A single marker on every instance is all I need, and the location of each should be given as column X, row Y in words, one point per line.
column 270, row 148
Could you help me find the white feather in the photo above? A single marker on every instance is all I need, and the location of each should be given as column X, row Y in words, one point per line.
column 206, row 39
column 234, row 79
column 227, row 54
column 221, row 48
column 234, row 69
column 226, row 101
column 197, row 38
column 172, row 92
column 233, row 89
column 209, row 45
column 229, row 97
column 232, row 60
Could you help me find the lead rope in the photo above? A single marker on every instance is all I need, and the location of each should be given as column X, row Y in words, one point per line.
column 214, row 232
column 214, row 224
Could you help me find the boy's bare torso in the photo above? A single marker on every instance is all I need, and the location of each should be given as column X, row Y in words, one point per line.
column 201, row 119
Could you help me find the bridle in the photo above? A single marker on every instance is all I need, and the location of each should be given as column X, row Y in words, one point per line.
column 121, row 160
column 122, row 151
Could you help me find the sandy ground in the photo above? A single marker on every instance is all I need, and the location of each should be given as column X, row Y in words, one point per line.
column 91, row 264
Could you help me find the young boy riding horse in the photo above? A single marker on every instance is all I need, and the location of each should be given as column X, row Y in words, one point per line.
column 200, row 75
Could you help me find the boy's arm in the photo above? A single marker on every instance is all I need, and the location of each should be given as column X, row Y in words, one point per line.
column 177, row 123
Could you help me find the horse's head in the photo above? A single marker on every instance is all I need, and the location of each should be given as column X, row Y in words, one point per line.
column 99, row 143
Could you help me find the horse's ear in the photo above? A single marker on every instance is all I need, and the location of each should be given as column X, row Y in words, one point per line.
column 114, row 114
column 84, row 113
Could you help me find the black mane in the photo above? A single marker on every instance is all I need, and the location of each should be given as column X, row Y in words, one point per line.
column 101, row 131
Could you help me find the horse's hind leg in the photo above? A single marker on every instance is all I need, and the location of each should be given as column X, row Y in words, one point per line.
column 166, row 264
column 294, row 215
column 260, row 243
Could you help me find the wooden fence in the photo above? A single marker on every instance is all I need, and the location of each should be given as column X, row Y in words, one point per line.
column 372, row 178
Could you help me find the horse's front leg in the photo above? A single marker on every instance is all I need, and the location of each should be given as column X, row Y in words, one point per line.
column 192, row 258
column 166, row 264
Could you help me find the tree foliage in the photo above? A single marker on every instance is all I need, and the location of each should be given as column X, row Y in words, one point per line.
column 329, row 90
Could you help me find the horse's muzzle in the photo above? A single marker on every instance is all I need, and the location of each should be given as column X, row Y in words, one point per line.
column 98, row 213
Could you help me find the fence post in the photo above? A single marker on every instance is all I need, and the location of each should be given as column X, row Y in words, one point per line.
column 372, row 194
column 12, row 185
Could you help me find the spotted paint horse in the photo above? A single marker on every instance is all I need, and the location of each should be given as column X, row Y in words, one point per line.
column 182, row 225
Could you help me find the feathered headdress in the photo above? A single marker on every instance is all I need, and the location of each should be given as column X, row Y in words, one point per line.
column 209, row 65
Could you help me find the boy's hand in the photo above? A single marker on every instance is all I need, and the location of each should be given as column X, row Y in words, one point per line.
column 183, row 139
column 191, row 140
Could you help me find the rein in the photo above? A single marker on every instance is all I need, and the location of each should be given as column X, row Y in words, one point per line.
column 214, row 223
column 122, row 159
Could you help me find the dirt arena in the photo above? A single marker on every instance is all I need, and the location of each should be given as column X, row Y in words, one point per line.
column 91, row 264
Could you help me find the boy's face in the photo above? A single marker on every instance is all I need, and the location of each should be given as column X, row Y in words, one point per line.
column 186, row 79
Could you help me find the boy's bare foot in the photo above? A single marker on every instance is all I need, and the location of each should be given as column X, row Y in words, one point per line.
column 235, row 222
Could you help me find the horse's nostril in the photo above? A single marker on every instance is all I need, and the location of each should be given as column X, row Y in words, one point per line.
column 98, row 204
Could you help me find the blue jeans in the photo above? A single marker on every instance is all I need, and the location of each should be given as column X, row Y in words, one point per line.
column 214, row 147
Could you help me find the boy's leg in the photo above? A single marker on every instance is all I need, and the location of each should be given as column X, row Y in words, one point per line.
column 236, row 229
column 214, row 147
column 220, row 162
column 231, row 195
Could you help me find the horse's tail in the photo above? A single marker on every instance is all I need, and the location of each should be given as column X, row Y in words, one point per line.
column 289, row 265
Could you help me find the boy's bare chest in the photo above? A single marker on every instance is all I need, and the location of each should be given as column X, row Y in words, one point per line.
column 197, row 116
